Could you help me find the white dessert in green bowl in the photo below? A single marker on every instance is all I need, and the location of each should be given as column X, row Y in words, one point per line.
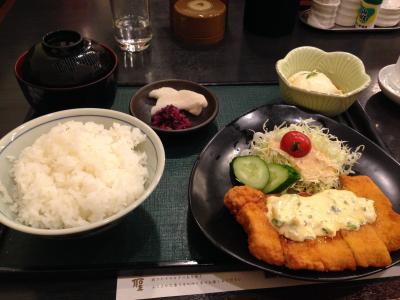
column 325, row 82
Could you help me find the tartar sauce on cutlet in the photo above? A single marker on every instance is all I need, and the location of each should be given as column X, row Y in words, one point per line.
column 300, row 218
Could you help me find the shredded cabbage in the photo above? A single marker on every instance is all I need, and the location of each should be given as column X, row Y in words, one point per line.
column 337, row 156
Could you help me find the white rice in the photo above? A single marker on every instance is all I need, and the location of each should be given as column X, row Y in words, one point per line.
column 78, row 173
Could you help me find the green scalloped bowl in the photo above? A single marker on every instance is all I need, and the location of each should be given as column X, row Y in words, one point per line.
column 345, row 70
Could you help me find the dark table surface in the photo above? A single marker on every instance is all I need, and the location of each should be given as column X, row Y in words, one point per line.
column 240, row 58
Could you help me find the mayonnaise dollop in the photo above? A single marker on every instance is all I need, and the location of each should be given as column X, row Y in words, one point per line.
column 312, row 167
column 300, row 218
column 184, row 99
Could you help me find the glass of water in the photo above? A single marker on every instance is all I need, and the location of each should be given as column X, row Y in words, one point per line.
column 132, row 27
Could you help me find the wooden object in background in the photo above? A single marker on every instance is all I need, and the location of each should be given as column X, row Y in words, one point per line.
column 199, row 22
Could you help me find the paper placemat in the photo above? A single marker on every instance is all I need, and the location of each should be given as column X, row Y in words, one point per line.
column 149, row 287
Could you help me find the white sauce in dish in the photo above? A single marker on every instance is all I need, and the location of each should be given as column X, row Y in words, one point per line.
column 314, row 81
column 300, row 218
column 184, row 99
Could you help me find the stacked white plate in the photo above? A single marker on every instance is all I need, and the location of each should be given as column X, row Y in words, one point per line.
column 389, row 13
column 347, row 12
column 323, row 13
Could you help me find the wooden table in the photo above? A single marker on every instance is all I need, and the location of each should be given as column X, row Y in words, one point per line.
column 241, row 58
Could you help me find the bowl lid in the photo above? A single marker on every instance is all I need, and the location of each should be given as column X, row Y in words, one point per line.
column 64, row 59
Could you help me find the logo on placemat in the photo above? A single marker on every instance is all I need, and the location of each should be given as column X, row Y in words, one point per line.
column 137, row 283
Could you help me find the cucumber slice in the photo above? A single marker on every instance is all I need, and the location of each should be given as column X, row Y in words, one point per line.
column 250, row 170
column 281, row 177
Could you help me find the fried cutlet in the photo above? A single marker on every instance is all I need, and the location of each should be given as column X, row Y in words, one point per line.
column 248, row 205
column 238, row 196
column 387, row 224
column 321, row 254
column 368, row 249
column 369, row 246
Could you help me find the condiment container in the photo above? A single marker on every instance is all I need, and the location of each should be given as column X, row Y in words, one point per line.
column 367, row 13
column 199, row 22
column 171, row 10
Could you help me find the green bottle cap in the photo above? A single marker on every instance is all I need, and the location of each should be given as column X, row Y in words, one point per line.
column 376, row 2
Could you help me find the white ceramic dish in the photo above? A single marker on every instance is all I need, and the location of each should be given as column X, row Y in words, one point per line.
column 332, row 2
column 21, row 137
column 388, row 17
column 323, row 14
column 304, row 16
column 347, row 12
column 389, row 82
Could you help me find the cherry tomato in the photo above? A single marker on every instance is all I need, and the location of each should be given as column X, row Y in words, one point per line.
column 296, row 144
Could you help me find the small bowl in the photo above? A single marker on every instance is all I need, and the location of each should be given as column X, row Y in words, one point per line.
column 141, row 104
column 347, row 12
column 345, row 70
column 323, row 13
column 388, row 17
column 390, row 83
column 325, row 7
column 15, row 141
column 80, row 74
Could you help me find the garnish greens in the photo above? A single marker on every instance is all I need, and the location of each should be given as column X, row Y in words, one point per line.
column 311, row 74
column 339, row 155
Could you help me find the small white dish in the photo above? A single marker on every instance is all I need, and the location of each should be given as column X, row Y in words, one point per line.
column 389, row 13
column 388, row 17
column 323, row 14
column 389, row 82
column 347, row 12
column 329, row 2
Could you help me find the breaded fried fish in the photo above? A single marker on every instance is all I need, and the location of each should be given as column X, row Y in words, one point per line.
column 387, row 224
column 368, row 246
column 248, row 206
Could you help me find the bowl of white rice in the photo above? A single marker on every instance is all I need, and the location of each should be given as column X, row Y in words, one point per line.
column 76, row 170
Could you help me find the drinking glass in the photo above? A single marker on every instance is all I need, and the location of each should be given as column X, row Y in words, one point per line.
column 132, row 26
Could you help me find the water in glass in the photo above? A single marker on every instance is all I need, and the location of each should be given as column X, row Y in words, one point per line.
column 133, row 32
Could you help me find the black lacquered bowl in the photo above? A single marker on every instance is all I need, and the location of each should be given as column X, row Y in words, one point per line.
column 67, row 71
